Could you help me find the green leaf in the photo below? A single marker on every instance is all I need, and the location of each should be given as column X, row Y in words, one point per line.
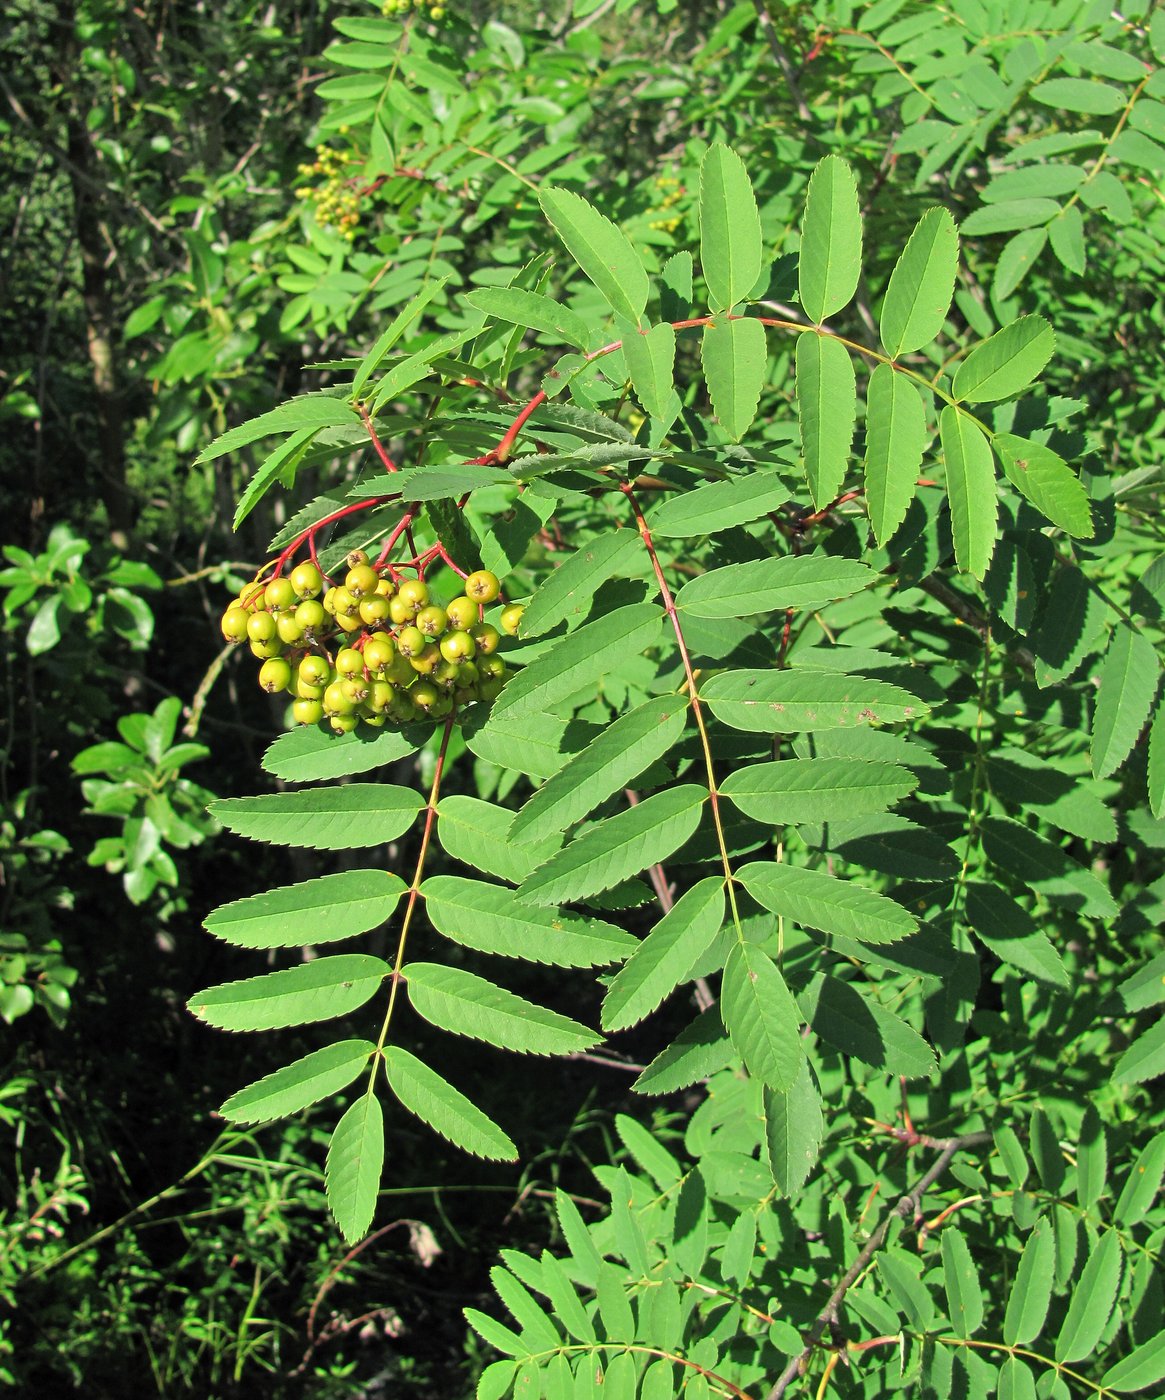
column 730, row 236
column 308, row 411
column 1046, row 1151
column 330, row 818
column 314, row 991
column 650, row 360
column 565, row 1301
column 533, row 311
column 322, row 910
column 495, row 1333
column 921, row 286
column 793, row 1131
column 1031, row 1293
column 734, row 356
column 1142, row 1184
column 830, row 259
column 1066, row 237
column 1144, row 1059
column 1004, row 926
column 1091, row 1159
column 392, row 333
column 536, row 1327
column 1005, row 363
column 600, row 248
column 584, row 1254
column 355, row 1162
column 719, row 506
column 964, row 1292
column 465, row 1004
column 696, row 1053
column 650, row 1154
column 445, row 480
column 1047, row 481
column 567, row 592
column 1009, row 215
column 1017, row 259
column 297, row 1086
column 1079, row 95
column 1129, row 676
column 666, row 956
column 287, row 455
column 619, row 847
column 609, row 763
column 827, row 408
column 857, row 1025
column 495, row 1381
column 900, row 1271
column 1016, row 1381
column 971, row 490
column 474, row 832
column 1073, row 618
column 310, row 753
column 1092, row 1300
column 1140, row 1369
column 490, row 919
column 761, row 1017
column 770, row 585
column 816, row 789
column 896, row 437
column 581, row 658
column 417, row 366
column 447, row 1111
column 786, row 702
column 1155, row 775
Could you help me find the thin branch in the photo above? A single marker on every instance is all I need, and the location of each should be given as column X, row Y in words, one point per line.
column 784, row 63
column 906, row 1209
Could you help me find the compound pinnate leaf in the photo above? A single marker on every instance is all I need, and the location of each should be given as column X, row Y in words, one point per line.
column 314, row 991
column 609, row 762
column 761, row 1017
column 1129, row 676
column 719, row 505
column 466, row 1004
column 297, row 1086
column 355, row 1162
column 665, row 957
column 1005, row 363
column 817, row 789
column 330, row 818
column 970, row 489
column 532, row 311
column 1092, row 1301
column 581, row 657
column 827, row 408
column 734, row 356
column 490, row 919
column 1031, row 1292
column 921, row 286
column 788, row 702
column 323, row 910
column 310, row 411
column 446, row 1110
column 896, row 437
column 771, row 585
column 730, row 234
column 794, row 1129
column 1047, row 481
column 830, row 259
column 600, row 248
column 618, row 848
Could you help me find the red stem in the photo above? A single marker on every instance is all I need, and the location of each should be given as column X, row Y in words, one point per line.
column 366, row 419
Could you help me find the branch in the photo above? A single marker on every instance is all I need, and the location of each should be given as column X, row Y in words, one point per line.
column 783, row 61
column 906, row 1209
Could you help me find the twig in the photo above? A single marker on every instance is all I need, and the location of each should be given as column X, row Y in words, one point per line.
column 906, row 1209
column 783, row 61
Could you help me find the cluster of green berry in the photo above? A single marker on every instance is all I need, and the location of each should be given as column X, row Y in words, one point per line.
column 401, row 7
column 336, row 200
column 672, row 192
column 374, row 649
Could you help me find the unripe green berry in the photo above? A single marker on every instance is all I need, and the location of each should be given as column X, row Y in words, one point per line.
column 446, row 674
column 261, row 627
column 486, row 637
column 462, row 613
column 357, row 557
column 428, row 661
column 386, row 588
column 307, row 580
column 511, row 618
column 378, row 654
column 279, row 595
column 374, row 610
column 411, row 642
column 349, row 662
column 275, row 675
column 424, row 696
column 329, row 601
column 458, row 646
column 344, row 604
column 288, row 629
column 344, row 724
column 373, row 718
column 315, row 670
column 307, row 711
column 355, row 688
column 311, row 618
column 361, row 580
column 399, row 611
column 266, row 650
column 380, row 695
column 336, row 702
column 482, row 586
column 235, row 623
column 349, row 622
column 432, row 620
column 414, row 593
column 492, row 668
